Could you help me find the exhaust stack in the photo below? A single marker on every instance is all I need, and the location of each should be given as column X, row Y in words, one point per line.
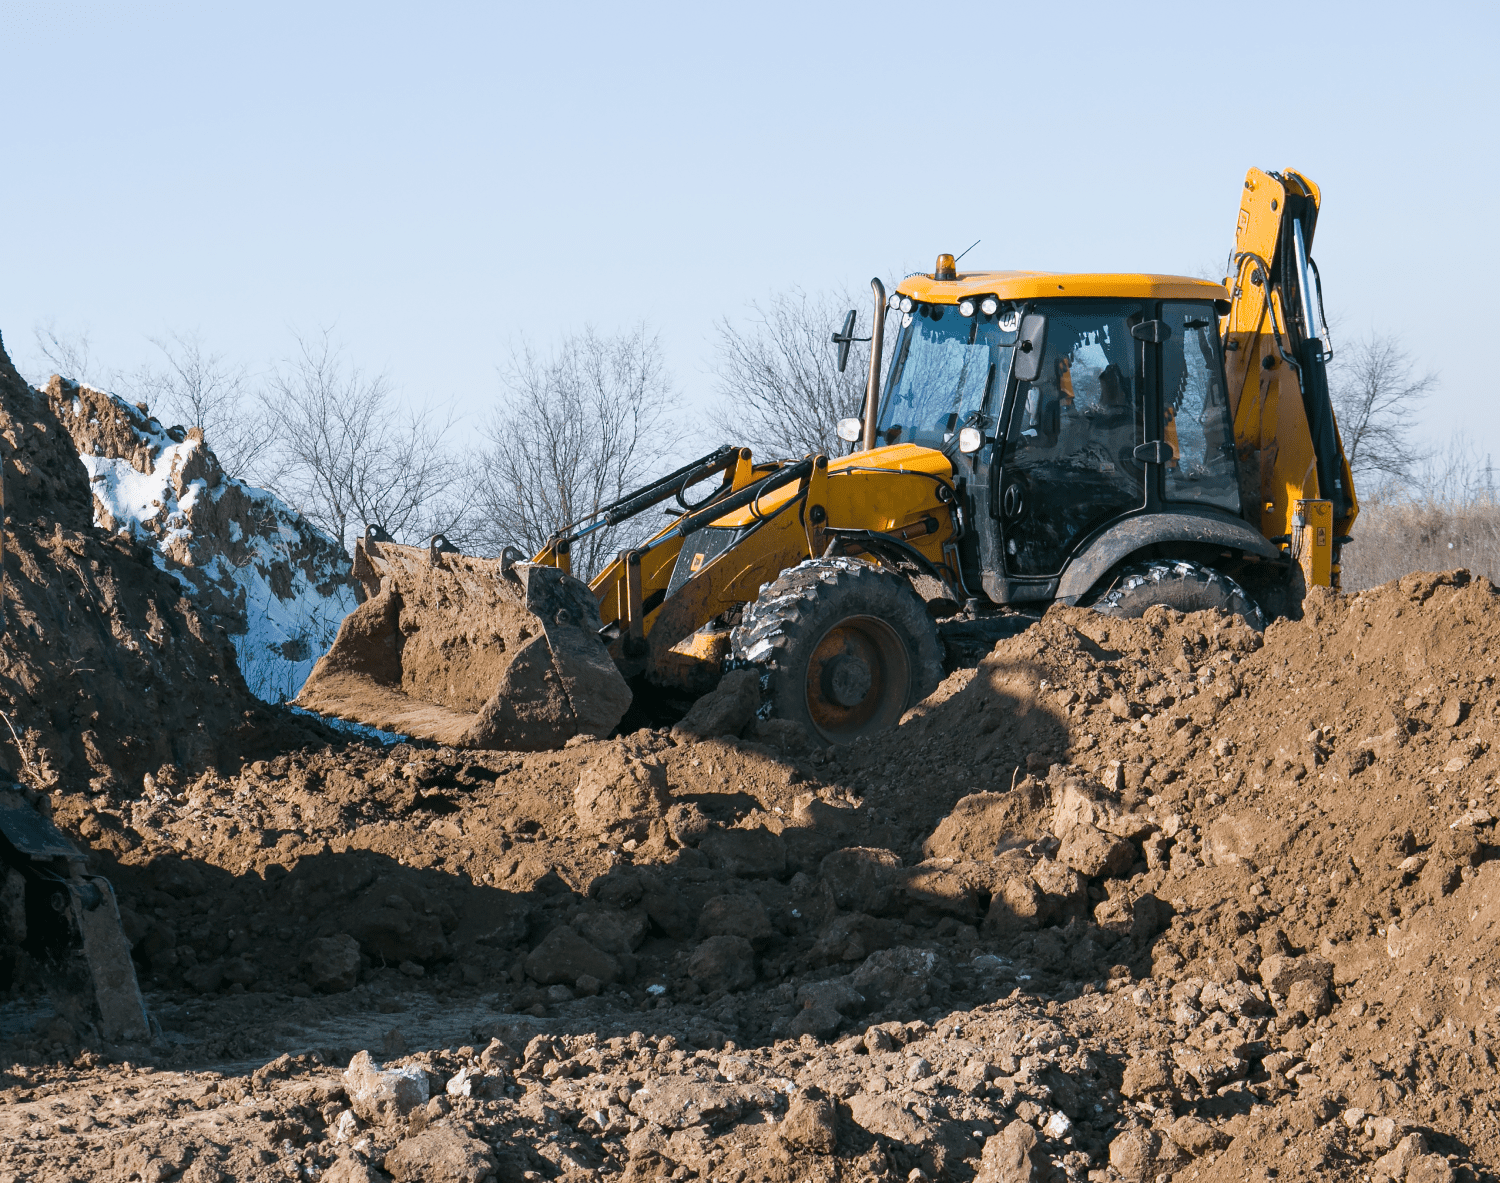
column 872, row 383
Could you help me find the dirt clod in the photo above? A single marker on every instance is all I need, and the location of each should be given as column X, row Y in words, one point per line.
column 331, row 964
column 441, row 1154
column 618, row 792
column 726, row 710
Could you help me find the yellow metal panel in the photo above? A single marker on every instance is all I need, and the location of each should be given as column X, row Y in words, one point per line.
column 1313, row 541
column 1277, row 464
column 1262, row 203
column 731, row 578
column 897, row 458
column 885, row 489
column 1297, row 180
column 1270, row 429
column 1038, row 285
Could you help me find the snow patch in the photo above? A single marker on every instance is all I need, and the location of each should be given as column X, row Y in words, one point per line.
column 278, row 585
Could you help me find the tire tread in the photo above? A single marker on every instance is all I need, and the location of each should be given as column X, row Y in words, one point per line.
column 1176, row 582
column 777, row 623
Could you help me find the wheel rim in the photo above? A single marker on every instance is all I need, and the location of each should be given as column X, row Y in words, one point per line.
column 857, row 679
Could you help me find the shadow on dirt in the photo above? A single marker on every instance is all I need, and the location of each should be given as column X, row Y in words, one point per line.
column 910, row 886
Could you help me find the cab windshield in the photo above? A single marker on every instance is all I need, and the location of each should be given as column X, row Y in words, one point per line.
column 946, row 366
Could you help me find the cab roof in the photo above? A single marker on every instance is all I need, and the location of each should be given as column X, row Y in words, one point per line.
column 1038, row 285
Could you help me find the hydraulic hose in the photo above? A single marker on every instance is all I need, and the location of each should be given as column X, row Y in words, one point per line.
column 750, row 494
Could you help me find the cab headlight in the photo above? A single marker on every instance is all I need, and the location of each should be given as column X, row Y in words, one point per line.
column 990, row 306
column 966, row 308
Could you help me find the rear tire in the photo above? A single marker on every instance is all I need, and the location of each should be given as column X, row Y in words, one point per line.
column 843, row 648
column 1179, row 584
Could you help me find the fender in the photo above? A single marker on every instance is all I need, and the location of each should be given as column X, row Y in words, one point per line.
column 1122, row 539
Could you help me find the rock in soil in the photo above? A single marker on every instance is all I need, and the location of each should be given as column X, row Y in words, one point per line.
column 381, row 1096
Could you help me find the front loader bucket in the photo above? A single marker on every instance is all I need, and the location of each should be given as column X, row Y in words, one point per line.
column 472, row 653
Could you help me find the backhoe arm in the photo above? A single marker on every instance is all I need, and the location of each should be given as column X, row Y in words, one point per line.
column 1277, row 354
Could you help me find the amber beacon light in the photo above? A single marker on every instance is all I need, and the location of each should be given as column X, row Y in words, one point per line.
column 945, row 269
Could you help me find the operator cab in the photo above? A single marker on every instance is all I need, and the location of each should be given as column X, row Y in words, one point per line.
column 1082, row 410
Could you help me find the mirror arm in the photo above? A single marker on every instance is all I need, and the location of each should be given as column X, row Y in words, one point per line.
column 872, row 383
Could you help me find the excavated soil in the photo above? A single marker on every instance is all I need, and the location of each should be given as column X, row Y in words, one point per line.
column 107, row 669
column 1126, row 900
column 1131, row 899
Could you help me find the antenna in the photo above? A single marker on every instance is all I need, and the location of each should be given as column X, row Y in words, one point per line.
column 970, row 247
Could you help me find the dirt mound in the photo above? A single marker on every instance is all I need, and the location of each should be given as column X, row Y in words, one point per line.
column 112, row 680
column 278, row 585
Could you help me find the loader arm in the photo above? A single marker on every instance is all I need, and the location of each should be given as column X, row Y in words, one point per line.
column 733, row 463
column 1276, row 361
column 894, row 504
column 502, row 652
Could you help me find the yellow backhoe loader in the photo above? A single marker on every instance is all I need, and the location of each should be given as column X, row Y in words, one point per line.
column 1104, row 439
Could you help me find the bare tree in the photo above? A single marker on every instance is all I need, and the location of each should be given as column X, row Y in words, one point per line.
column 349, row 454
column 1375, row 396
column 198, row 388
column 573, row 431
column 69, row 354
column 780, row 388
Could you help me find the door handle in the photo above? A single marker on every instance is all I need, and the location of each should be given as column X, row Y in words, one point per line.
column 1153, row 452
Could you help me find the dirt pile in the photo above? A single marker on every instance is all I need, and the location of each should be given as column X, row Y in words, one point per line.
column 107, row 670
column 278, row 585
column 1131, row 900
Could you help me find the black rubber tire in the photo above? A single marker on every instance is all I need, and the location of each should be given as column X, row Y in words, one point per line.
column 843, row 648
column 1281, row 594
column 1179, row 584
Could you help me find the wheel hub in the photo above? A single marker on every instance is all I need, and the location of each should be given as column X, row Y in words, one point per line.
column 857, row 679
column 847, row 680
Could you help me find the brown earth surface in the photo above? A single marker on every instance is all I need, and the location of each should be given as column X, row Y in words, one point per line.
column 107, row 669
column 1178, row 899
column 1134, row 900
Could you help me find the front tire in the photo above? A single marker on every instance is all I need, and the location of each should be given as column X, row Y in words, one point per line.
column 843, row 647
column 1181, row 585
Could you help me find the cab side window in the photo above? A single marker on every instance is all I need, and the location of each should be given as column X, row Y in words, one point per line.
column 1195, row 411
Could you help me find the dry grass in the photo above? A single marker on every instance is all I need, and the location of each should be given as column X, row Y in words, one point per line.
column 1394, row 537
column 1444, row 513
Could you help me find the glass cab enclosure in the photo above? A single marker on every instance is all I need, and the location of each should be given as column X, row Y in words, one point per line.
column 1106, row 408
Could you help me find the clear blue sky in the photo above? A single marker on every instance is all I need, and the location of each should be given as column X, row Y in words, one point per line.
column 438, row 179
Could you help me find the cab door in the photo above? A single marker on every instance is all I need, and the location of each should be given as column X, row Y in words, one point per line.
column 1068, row 461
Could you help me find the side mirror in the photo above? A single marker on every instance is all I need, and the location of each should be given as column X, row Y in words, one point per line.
column 1029, row 345
column 850, row 430
column 843, row 339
